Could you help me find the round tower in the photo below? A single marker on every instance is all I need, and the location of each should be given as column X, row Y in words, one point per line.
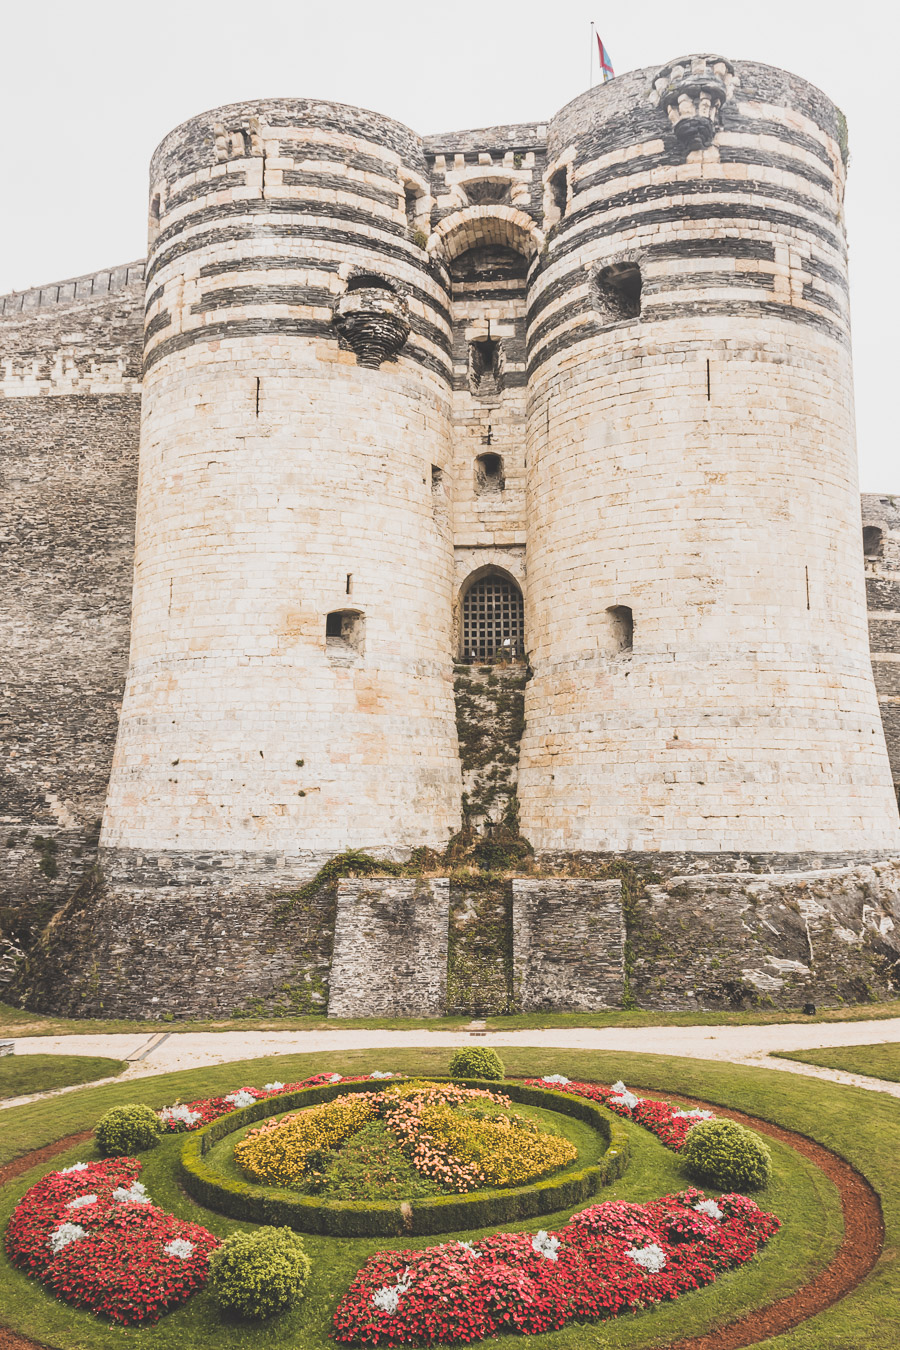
column 696, row 615
column 290, row 682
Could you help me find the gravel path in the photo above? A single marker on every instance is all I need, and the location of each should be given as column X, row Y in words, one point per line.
column 164, row 1051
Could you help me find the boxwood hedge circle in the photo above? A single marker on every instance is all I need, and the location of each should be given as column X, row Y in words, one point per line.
column 390, row 1218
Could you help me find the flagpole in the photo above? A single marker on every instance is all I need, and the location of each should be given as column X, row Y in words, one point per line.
column 592, row 55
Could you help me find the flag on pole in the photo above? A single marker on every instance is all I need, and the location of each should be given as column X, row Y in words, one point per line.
column 605, row 64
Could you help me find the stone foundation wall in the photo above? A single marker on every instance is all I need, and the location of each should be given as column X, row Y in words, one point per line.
column 568, row 945
column 781, row 940
column 390, row 948
column 174, row 936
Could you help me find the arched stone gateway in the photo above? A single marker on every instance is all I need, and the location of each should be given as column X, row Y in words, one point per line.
column 493, row 619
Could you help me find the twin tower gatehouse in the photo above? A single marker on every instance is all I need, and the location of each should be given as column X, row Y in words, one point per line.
column 571, row 401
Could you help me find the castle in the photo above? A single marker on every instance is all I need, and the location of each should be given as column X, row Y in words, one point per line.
column 415, row 428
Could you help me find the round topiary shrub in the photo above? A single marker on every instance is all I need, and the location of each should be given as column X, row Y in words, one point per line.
column 725, row 1154
column 127, row 1129
column 256, row 1275
column 476, row 1061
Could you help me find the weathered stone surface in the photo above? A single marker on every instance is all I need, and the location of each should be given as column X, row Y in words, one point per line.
column 784, row 940
column 163, row 935
column 390, row 948
column 568, row 945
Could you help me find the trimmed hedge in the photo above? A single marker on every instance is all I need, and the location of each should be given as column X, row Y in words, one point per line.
column 127, row 1129
column 258, row 1275
column 477, row 1061
column 727, row 1155
column 389, row 1218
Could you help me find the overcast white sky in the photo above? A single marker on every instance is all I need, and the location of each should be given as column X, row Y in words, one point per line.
column 89, row 88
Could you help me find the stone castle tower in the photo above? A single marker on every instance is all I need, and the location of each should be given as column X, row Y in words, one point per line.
column 578, row 395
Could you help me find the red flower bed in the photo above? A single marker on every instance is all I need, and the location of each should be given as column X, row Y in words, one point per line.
column 206, row 1109
column 669, row 1123
column 466, row 1292
column 104, row 1251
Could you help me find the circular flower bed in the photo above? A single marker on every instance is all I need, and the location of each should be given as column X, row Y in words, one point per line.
column 446, row 1152
column 606, row 1260
column 456, row 1138
column 91, row 1234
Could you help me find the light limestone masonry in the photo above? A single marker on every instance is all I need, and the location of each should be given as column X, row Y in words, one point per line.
column 280, row 482
column 695, row 463
column 390, row 948
column 568, row 945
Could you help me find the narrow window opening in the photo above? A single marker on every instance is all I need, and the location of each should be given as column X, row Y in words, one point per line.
column 708, row 379
column 493, row 620
column 489, row 473
column 437, row 478
column 873, row 541
column 486, row 366
column 411, row 199
column 806, row 570
column 349, row 581
column 622, row 622
column 344, row 631
column 617, row 291
column 559, row 189
column 257, row 395
column 369, row 281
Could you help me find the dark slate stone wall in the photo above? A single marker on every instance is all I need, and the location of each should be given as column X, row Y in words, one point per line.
column 882, row 513
column 568, row 945
column 68, row 474
column 390, row 948
column 195, row 936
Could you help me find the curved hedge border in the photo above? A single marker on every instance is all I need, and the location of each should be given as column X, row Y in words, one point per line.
column 387, row 1218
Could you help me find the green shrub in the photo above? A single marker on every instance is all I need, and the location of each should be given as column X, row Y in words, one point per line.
column 256, row 1275
column 127, row 1129
column 476, row 1061
column 725, row 1154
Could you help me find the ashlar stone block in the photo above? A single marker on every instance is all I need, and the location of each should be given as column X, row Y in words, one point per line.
column 390, row 948
column 568, row 945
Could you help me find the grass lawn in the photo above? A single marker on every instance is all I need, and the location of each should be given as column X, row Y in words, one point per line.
column 20, row 1075
column 862, row 1126
column 877, row 1061
column 20, row 1022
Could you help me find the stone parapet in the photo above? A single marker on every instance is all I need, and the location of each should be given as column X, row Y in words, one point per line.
column 568, row 945
column 390, row 948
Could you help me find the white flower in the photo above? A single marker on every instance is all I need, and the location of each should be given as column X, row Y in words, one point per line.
column 626, row 1099
column 696, row 1114
column 545, row 1245
column 80, row 1201
column 470, row 1248
column 709, row 1207
column 76, row 1167
column 62, row 1236
column 652, row 1258
column 272, row 1087
column 387, row 1299
column 137, row 1195
column 179, row 1247
column 556, row 1078
column 376, row 1073
column 240, row 1098
column 335, row 1078
column 181, row 1113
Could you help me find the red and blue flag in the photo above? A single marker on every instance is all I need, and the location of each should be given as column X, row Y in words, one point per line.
column 605, row 63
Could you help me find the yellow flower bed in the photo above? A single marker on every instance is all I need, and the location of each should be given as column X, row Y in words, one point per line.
column 277, row 1156
column 503, row 1149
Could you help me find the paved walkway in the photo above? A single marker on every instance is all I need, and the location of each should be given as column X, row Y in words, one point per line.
column 164, row 1051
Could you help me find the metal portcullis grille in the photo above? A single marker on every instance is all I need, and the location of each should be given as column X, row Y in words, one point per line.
column 493, row 619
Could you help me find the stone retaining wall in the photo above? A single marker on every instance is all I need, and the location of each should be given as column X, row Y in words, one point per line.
column 568, row 945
